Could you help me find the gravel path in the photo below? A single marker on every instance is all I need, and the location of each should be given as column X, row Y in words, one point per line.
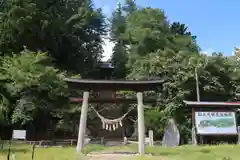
column 120, row 157
column 109, row 157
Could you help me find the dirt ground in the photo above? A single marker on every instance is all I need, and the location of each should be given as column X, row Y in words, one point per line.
column 108, row 157
column 120, row 156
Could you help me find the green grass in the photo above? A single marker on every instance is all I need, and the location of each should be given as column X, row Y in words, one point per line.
column 24, row 152
column 220, row 152
column 189, row 152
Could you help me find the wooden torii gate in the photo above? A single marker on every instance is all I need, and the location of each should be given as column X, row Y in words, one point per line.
column 113, row 85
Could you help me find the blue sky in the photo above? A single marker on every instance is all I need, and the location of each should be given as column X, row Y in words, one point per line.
column 216, row 23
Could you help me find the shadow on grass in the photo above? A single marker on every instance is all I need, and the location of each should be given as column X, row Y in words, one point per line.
column 205, row 151
column 175, row 152
column 5, row 151
column 93, row 148
column 164, row 153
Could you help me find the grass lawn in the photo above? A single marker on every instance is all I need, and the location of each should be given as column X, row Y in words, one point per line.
column 24, row 152
column 220, row 152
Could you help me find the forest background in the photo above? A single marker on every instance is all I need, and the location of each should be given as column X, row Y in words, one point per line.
column 44, row 41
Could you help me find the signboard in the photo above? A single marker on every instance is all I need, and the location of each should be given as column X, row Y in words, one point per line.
column 215, row 122
column 19, row 134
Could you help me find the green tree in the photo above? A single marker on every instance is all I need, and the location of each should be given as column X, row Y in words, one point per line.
column 160, row 50
column 181, row 29
column 34, row 90
column 130, row 6
column 70, row 31
column 119, row 55
column 156, row 52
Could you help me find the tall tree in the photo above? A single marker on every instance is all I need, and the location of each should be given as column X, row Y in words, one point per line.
column 130, row 6
column 162, row 50
column 181, row 29
column 119, row 55
column 32, row 90
column 69, row 30
column 157, row 53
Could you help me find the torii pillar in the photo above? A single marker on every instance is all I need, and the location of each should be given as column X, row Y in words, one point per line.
column 141, row 125
column 82, row 122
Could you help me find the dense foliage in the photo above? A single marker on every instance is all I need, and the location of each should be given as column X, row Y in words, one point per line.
column 158, row 49
column 69, row 30
column 43, row 41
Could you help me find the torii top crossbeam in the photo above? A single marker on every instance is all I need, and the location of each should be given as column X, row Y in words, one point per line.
column 133, row 85
column 195, row 104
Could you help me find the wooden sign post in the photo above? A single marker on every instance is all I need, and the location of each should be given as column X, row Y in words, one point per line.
column 213, row 119
column 238, row 129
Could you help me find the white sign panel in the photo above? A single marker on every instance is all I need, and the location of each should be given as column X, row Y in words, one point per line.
column 19, row 134
column 147, row 139
column 215, row 122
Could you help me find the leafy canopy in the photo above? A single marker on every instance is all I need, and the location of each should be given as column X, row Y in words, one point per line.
column 33, row 84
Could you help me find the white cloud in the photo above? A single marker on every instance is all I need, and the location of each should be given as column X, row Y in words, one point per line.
column 108, row 6
column 234, row 50
column 208, row 51
column 107, row 49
